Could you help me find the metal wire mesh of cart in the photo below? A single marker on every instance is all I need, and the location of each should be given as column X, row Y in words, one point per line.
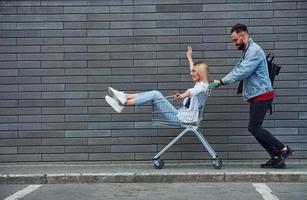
column 170, row 111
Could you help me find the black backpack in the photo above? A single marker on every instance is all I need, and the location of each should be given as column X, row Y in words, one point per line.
column 273, row 69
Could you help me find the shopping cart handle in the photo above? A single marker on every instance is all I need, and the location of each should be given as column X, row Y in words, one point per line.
column 214, row 84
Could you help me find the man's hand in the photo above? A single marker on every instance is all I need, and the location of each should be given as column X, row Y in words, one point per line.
column 218, row 81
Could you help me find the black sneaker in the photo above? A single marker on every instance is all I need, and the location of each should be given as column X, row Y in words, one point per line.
column 286, row 154
column 274, row 163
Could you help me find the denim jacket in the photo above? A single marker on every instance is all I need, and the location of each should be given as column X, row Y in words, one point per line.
column 253, row 70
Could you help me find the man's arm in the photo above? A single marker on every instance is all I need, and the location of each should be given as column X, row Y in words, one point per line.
column 242, row 70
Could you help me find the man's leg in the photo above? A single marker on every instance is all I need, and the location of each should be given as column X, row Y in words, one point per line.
column 265, row 138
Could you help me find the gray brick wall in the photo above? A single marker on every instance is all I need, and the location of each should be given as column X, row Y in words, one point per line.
column 57, row 58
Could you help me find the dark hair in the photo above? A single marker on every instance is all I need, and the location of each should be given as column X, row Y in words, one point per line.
column 238, row 28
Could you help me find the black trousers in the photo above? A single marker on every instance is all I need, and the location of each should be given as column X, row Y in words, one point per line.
column 257, row 113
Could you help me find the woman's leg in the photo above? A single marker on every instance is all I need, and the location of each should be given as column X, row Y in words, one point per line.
column 131, row 99
column 167, row 110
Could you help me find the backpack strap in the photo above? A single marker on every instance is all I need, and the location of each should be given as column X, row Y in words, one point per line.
column 270, row 57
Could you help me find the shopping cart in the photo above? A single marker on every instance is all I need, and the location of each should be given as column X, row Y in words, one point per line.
column 189, row 121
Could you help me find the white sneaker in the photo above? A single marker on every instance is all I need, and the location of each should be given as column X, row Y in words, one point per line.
column 114, row 104
column 120, row 97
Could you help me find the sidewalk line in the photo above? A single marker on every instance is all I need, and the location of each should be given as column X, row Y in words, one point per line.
column 265, row 191
column 21, row 193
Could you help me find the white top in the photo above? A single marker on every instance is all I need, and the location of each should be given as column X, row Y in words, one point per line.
column 197, row 95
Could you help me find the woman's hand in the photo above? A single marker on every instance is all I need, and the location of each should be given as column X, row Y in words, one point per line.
column 177, row 95
column 189, row 53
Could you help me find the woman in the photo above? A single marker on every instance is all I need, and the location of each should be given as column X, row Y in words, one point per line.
column 193, row 97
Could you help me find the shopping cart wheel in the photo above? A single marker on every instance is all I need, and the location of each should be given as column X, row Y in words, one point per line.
column 217, row 163
column 158, row 163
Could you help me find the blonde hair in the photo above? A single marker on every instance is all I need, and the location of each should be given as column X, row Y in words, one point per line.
column 202, row 69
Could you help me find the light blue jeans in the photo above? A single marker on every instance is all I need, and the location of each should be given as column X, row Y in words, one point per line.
column 168, row 111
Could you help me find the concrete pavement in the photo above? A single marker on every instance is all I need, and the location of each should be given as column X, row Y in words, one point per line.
column 96, row 172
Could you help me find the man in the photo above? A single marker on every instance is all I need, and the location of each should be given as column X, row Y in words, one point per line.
column 257, row 90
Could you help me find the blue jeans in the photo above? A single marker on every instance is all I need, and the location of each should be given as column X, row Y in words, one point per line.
column 168, row 111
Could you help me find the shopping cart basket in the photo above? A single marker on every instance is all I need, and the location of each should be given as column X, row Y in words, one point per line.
column 189, row 121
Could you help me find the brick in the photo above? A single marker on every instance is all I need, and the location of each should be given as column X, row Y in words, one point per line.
column 62, row 33
column 9, row 134
column 63, row 3
column 90, row 71
column 40, row 56
column 40, row 72
column 64, row 48
column 40, row 10
column 113, row 79
column 7, row 57
column 7, row 10
column 228, row 7
column 133, row 148
column 86, row 56
column 64, row 64
column 19, row 49
column 41, row 134
column 106, row 33
column 88, row 102
column 20, row 158
column 8, row 72
column 108, row 125
column 87, row 9
column 63, row 95
column 4, row 103
column 86, row 25
column 41, row 118
column 65, row 157
column 65, row 141
column 20, row 142
column 109, row 17
column 64, row 126
column 156, row 32
column 87, row 133
column 134, row 55
column 290, row 13
column 11, row 88
column 132, row 24
column 132, row 40
column 7, row 41
column 111, row 156
column 91, row 40
column 87, row 87
column 41, row 149
column 110, row 48
column 40, row 25
column 8, row 150
column 132, row 9
column 7, row 26
column 65, row 110
column 23, row 3
column 86, row 149
column 41, row 87
column 66, row 79
column 8, row 119
column 178, row 8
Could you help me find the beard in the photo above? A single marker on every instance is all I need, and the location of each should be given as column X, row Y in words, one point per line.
column 241, row 46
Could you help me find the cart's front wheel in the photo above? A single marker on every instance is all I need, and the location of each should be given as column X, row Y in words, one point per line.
column 217, row 163
column 158, row 163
